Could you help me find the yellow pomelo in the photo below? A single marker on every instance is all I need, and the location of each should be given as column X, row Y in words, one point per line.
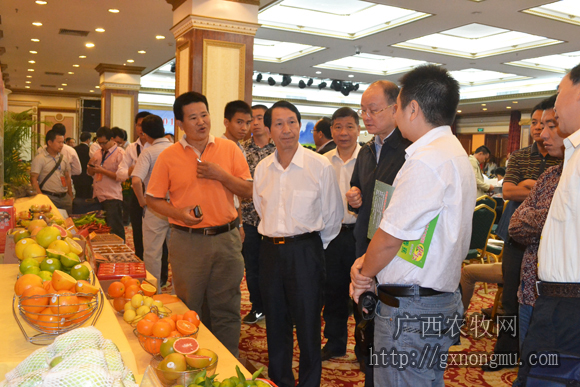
column 74, row 246
column 60, row 245
column 22, row 244
column 48, row 235
column 33, row 251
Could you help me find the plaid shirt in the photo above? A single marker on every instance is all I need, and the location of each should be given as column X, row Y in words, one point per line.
column 254, row 154
column 526, row 228
column 528, row 163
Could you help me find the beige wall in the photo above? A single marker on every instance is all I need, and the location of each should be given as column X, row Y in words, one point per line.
column 17, row 100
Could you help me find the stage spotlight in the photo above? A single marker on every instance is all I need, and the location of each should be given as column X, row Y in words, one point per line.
column 172, row 69
column 301, row 84
column 259, row 77
column 321, row 85
column 355, row 88
column 336, row 85
column 309, row 83
column 286, row 80
column 271, row 81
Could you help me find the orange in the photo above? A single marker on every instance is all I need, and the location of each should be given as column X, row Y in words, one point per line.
column 49, row 321
column 64, row 303
column 84, row 313
column 83, row 286
column 192, row 317
column 170, row 322
column 25, row 282
column 131, row 291
column 47, row 285
column 148, row 289
column 161, row 329
column 119, row 303
column 145, row 327
column 34, row 317
column 63, row 281
column 37, row 301
column 175, row 334
column 175, row 317
column 133, row 281
column 125, row 279
column 116, row 289
column 151, row 317
column 152, row 345
column 185, row 327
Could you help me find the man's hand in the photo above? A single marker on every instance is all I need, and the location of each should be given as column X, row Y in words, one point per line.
column 354, row 197
column 359, row 283
column 528, row 183
column 213, row 171
column 242, row 234
column 491, row 187
column 130, row 170
column 187, row 216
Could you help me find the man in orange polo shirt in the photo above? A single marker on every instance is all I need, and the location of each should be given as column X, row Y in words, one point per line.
column 205, row 251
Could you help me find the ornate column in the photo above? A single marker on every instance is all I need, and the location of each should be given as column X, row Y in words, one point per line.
column 214, row 56
column 119, row 95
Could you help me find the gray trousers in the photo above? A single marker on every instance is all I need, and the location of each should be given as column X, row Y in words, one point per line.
column 155, row 231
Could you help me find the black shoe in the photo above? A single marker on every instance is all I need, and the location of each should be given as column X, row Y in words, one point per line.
column 327, row 354
column 253, row 317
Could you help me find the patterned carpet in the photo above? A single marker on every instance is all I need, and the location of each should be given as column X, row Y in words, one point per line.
column 344, row 371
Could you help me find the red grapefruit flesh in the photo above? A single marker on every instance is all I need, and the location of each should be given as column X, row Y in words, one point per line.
column 186, row 345
column 198, row 361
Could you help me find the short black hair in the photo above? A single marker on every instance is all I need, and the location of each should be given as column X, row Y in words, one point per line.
column 280, row 104
column 68, row 139
column 549, row 103
column 390, row 89
column 142, row 114
column 118, row 132
column 499, row 171
column 345, row 112
column 436, row 92
column 263, row 107
column 234, row 107
column 51, row 136
column 186, row 99
column 537, row 107
column 575, row 74
column 152, row 126
column 85, row 136
column 323, row 125
column 104, row 131
column 483, row 149
column 59, row 128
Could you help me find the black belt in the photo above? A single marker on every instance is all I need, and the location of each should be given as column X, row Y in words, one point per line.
column 290, row 239
column 388, row 293
column 558, row 289
column 57, row 195
column 209, row 230
column 347, row 227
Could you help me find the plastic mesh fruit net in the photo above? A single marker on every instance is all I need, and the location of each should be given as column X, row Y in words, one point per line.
column 81, row 357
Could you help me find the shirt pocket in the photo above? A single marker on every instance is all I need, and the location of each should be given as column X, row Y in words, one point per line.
column 304, row 205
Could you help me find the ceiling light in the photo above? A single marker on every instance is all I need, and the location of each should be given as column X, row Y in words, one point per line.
column 159, row 37
column 64, row 84
column 459, row 111
column 82, row 56
column 41, row 2
column 60, row 88
column 141, row 52
column 113, row 10
column 70, row 72
column 27, row 87
column 27, row 82
column 100, row 29
column 130, row 61
column 30, row 69
column 351, row 76
column 92, row 91
column 508, row 107
column 75, row 65
column 33, row 52
column 31, row 61
column 484, row 109
column 38, row 24
column 90, row 45
column 483, row 104
column 319, row 72
column 35, row 40
column 514, row 101
column 29, row 76
column 97, row 87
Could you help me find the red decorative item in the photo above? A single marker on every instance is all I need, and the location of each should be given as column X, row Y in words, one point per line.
column 113, row 271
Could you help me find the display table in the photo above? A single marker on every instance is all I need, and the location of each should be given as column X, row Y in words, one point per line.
column 23, row 204
column 16, row 348
column 226, row 361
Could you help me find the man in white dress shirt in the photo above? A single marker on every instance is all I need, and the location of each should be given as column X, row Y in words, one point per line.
column 341, row 252
column 300, row 206
column 554, row 326
column 436, row 184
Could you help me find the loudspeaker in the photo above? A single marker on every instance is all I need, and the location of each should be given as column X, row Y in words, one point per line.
column 90, row 115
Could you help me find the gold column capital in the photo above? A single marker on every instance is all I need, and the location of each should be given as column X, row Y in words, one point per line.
column 213, row 24
column 113, row 68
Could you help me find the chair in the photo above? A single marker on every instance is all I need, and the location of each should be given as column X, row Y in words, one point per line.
column 487, row 200
column 483, row 219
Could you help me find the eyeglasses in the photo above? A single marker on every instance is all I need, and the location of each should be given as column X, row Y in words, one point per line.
column 102, row 143
column 372, row 113
column 313, row 130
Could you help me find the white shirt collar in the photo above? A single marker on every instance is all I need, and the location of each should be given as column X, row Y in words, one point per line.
column 160, row 140
column 297, row 159
column 185, row 144
column 428, row 138
column 334, row 153
column 571, row 143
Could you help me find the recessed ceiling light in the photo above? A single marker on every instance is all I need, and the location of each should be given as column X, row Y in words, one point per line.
column 70, row 72
column 64, row 84
column 141, row 52
column 89, row 45
column 100, row 29
column 159, row 37
column 31, row 61
column 508, row 107
column 459, row 111
column 75, row 65
column 82, row 56
column 27, row 82
column 114, row 10
column 92, row 91
column 319, row 72
column 484, row 109
column 97, row 87
column 35, row 40
column 41, row 2
column 60, row 88
column 27, row 87
column 483, row 104
column 30, row 69
column 29, row 76
column 130, row 60
column 38, row 24
column 514, row 101
column 33, row 52
column 351, row 76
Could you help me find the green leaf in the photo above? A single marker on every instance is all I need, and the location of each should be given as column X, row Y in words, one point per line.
column 257, row 373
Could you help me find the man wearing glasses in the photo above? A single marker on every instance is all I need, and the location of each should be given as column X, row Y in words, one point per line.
column 379, row 159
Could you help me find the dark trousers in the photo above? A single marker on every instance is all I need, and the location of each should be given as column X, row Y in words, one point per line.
column 364, row 328
column 114, row 216
column 339, row 257
column 513, row 253
column 251, row 253
column 164, row 264
column 127, row 207
column 291, row 282
column 554, row 328
column 137, row 224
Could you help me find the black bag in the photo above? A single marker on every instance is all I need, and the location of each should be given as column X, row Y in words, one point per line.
column 50, row 173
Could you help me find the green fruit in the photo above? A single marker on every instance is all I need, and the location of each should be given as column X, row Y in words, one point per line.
column 21, row 234
column 47, row 235
column 27, row 264
column 80, row 272
column 167, row 346
column 50, row 264
column 227, row 383
column 172, row 365
column 50, row 253
column 70, row 260
column 45, row 275
column 32, row 270
column 55, row 361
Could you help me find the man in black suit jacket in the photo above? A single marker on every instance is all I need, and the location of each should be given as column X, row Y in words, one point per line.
column 83, row 182
column 322, row 136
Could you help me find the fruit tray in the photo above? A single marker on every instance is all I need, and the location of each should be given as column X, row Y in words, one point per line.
column 114, row 249
column 117, row 258
column 113, row 271
column 106, row 239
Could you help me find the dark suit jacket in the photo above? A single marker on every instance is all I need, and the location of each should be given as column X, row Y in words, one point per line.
column 83, row 182
column 328, row 147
